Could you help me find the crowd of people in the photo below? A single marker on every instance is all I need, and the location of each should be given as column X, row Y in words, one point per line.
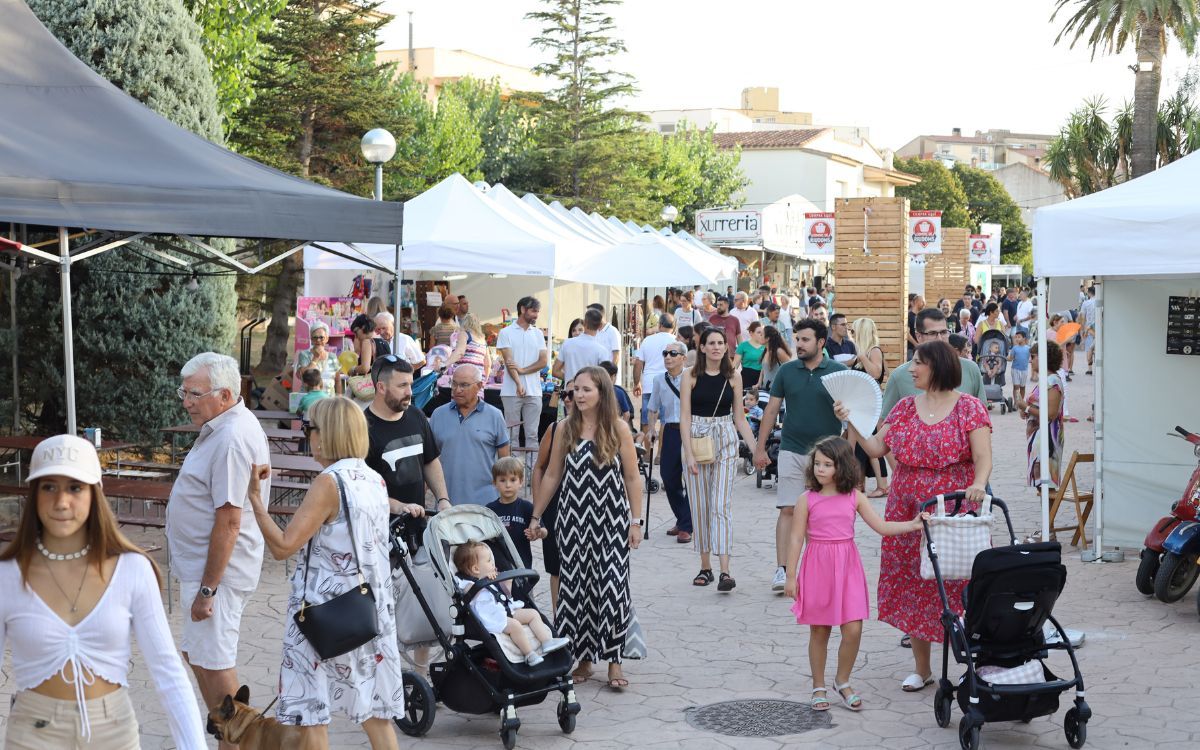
column 693, row 374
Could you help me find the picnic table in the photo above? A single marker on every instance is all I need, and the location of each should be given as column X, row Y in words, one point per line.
column 286, row 441
column 295, row 463
column 269, row 415
column 17, row 444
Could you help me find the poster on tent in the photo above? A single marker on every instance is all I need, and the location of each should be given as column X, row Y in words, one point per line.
column 924, row 233
column 819, row 231
column 335, row 312
column 984, row 249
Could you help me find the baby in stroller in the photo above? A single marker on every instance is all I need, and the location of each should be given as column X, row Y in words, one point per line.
column 993, row 366
column 496, row 610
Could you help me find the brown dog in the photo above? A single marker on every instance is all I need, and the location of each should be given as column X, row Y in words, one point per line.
column 232, row 720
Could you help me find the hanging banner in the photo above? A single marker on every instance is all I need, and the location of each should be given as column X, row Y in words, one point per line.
column 924, row 232
column 818, row 235
column 993, row 231
column 983, row 249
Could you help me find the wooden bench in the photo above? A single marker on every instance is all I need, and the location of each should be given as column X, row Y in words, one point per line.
column 149, row 465
column 1083, row 500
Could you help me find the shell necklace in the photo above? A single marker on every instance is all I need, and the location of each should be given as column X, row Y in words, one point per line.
column 56, row 556
column 73, row 556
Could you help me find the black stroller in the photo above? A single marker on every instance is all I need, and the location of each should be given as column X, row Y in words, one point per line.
column 477, row 676
column 646, row 468
column 1010, row 597
column 993, row 367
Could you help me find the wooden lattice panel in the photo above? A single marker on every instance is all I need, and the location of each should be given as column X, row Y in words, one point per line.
column 874, row 283
column 948, row 272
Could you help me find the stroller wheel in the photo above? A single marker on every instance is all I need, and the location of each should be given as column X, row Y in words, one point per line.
column 566, row 716
column 943, row 702
column 653, row 485
column 420, row 704
column 508, row 736
column 968, row 734
column 747, row 467
column 1075, row 728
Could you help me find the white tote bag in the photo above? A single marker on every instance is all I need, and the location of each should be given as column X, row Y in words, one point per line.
column 956, row 540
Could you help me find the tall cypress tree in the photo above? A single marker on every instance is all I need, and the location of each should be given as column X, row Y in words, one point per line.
column 136, row 321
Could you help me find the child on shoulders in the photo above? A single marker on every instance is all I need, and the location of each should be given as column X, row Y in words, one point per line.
column 830, row 586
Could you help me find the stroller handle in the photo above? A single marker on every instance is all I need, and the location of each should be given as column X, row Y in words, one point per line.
column 957, row 498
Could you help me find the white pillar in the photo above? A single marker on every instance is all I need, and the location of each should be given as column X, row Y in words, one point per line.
column 1098, row 369
column 1043, row 446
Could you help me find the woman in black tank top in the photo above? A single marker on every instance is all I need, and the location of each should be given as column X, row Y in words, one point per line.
column 711, row 412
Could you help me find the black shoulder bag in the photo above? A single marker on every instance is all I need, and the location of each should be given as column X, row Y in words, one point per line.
column 346, row 621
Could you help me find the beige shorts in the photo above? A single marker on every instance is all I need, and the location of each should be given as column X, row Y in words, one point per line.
column 37, row 722
column 212, row 643
column 791, row 484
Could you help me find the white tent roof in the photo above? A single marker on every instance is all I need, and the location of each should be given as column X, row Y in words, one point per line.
column 1144, row 227
column 647, row 259
column 453, row 227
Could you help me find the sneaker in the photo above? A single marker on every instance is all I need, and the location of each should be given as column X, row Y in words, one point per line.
column 1076, row 637
column 779, row 582
column 554, row 644
column 533, row 658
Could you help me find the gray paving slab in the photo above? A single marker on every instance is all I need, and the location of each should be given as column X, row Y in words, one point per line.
column 1140, row 660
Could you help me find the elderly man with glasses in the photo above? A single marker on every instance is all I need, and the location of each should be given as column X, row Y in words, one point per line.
column 470, row 435
column 216, row 549
column 930, row 325
column 664, row 404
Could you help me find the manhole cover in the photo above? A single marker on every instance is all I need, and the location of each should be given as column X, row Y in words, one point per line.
column 757, row 718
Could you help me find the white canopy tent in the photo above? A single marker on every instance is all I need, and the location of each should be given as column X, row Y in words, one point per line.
column 1140, row 240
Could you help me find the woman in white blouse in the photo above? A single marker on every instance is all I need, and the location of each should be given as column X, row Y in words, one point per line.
column 72, row 587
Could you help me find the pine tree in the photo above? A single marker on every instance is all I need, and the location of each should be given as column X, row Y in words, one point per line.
column 580, row 128
column 136, row 322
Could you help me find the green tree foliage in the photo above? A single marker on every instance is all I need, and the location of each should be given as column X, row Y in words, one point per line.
column 229, row 35
column 506, row 128
column 938, row 190
column 1110, row 25
column 988, row 202
column 135, row 325
column 580, row 128
column 692, row 173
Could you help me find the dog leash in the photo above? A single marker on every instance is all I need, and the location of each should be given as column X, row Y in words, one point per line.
column 268, row 708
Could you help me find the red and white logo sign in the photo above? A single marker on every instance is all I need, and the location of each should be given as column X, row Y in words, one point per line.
column 925, row 232
column 818, row 234
column 981, row 248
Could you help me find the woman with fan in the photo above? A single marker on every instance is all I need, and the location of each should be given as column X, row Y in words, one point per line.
column 710, row 424
column 941, row 440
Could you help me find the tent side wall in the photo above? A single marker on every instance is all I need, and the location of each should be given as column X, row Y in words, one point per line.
column 1146, row 394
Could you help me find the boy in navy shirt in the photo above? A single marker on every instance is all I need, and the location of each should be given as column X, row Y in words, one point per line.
column 508, row 476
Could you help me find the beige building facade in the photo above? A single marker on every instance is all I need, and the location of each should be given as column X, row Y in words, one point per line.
column 436, row 67
column 989, row 149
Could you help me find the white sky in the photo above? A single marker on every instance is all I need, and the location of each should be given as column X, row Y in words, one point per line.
column 899, row 68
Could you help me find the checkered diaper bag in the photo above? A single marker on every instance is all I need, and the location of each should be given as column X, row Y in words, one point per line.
column 956, row 540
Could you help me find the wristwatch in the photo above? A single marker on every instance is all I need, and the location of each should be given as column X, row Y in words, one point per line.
column 208, row 593
column 638, row 521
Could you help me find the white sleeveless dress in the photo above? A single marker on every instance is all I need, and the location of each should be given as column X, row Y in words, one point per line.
column 365, row 683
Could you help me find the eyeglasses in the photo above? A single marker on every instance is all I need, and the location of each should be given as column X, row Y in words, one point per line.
column 940, row 334
column 461, row 386
column 670, row 353
column 184, row 395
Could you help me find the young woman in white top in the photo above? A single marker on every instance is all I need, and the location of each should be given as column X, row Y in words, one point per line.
column 72, row 587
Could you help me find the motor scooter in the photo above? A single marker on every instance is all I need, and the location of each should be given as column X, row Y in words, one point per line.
column 1170, row 561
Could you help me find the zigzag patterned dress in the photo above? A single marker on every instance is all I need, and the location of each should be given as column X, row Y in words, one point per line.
column 593, row 538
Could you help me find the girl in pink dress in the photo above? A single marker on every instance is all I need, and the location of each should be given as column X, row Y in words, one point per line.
column 830, row 588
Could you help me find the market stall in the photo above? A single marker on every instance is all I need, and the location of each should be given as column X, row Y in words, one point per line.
column 1138, row 240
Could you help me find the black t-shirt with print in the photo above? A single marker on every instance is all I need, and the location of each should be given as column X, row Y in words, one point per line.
column 516, row 517
column 399, row 451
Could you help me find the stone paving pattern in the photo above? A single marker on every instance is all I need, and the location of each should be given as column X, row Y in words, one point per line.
column 1140, row 661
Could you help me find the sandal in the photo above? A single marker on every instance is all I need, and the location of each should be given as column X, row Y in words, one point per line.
column 819, row 704
column 915, row 682
column 618, row 682
column 878, row 492
column 703, row 578
column 726, row 583
column 852, row 701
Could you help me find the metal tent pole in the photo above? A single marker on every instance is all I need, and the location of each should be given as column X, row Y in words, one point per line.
column 550, row 329
column 1098, row 382
column 64, row 272
column 1043, row 422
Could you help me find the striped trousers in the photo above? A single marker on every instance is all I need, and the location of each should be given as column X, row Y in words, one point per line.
column 710, row 492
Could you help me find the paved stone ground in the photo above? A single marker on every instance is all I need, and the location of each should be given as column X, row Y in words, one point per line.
column 1140, row 660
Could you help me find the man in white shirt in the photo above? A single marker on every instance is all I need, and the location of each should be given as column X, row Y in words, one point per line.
column 216, row 549
column 584, row 350
column 1024, row 311
column 523, row 350
column 608, row 335
column 648, row 363
column 401, row 343
column 744, row 313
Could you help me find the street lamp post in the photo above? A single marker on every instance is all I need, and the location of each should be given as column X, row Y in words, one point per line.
column 670, row 214
column 378, row 147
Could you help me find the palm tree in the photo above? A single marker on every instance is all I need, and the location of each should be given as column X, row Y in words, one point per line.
column 1111, row 24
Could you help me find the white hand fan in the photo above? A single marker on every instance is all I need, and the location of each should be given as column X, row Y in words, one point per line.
column 861, row 396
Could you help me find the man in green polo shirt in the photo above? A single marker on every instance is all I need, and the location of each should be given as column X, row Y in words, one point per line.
column 930, row 326
column 808, row 419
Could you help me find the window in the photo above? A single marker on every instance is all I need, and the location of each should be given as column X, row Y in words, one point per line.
column 666, row 128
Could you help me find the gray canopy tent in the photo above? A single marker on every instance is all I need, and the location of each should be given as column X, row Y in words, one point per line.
column 77, row 152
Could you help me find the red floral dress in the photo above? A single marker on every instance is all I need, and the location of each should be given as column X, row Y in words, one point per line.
column 931, row 459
